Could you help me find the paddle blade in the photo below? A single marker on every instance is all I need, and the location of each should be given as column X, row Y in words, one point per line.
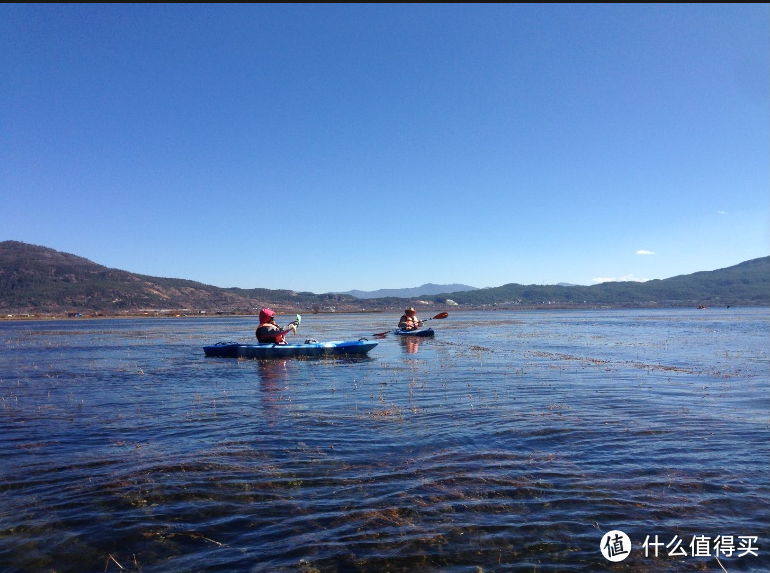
column 441, row 315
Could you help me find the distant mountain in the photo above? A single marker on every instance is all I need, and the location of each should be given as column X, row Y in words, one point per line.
column 745, row 283
column 39, row 280
column 428, row 289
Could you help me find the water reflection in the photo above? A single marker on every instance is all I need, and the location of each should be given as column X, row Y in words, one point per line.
column 273, row 376
column 410, row 344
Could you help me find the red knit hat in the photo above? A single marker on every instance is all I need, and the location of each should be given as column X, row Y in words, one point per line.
column 265, row 315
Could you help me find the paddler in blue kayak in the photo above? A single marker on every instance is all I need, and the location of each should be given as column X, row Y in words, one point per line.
column 269, row 332
column 409, row 320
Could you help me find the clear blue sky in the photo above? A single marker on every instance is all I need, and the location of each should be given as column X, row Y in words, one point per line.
column 337, row 147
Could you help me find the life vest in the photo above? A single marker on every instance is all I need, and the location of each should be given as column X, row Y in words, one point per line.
column 265, row 333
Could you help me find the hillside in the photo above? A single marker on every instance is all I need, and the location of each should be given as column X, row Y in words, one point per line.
column 745, row 283
column 39, row 280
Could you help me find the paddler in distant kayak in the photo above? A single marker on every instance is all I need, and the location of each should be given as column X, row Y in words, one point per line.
column 409, row 320
column 269, row 332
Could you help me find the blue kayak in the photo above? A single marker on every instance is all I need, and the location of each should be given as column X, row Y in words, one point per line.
column 270, row 350
column 416, row 332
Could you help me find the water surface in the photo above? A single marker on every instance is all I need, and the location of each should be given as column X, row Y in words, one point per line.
column 512, row 441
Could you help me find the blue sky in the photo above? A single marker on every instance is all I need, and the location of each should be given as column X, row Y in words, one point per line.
column 337, row 147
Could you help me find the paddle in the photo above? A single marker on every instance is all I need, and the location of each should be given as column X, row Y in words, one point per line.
column 294, row 324
column 439, row 316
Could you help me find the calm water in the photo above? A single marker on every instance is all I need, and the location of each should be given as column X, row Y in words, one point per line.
column 513, row 441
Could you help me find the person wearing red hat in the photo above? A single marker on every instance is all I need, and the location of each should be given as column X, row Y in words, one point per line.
column 409, row 320
column 269, row 332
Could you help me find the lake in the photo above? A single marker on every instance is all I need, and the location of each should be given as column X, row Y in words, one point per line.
column 512, row 441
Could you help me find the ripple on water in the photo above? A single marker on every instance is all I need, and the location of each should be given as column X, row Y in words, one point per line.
column 514, row 449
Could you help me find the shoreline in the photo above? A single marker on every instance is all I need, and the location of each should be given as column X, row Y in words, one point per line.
column 207, row 314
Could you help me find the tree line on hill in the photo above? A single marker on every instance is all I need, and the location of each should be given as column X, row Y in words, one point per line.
column 36, row 279
column 745, row 283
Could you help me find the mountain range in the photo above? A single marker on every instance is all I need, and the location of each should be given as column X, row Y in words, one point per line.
column 39, row 280
column 414, row 292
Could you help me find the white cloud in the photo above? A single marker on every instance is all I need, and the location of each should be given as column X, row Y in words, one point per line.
column 624, row 278
column 721, row 212
column 645, row 252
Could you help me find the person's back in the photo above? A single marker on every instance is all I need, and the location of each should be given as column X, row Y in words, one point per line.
column 268, row 332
